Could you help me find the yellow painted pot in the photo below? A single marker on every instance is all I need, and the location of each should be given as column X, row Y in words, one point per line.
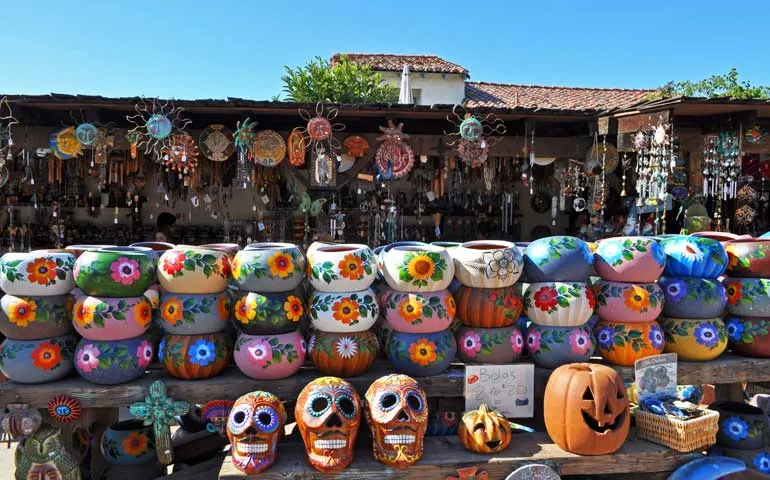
column 694, row 339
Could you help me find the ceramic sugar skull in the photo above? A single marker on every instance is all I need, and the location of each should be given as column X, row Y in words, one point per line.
column 254, row 426
column 328, row 414
column 397, row 412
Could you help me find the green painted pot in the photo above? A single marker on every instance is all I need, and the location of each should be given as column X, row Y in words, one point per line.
column 114, row 272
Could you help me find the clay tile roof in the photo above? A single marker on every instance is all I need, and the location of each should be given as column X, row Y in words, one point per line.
column 482, row 94
column 395, row 63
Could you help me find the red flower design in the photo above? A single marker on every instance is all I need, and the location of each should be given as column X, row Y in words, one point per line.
column 174, row 265
column 591, row 298
column 492, row 296
column 545, row 298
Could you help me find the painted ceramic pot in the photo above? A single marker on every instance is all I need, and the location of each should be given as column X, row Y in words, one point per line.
column 37, row 273
column 418, row 312
column 558, row 259
column 269, row 267
column 113, row 362
column 489, row 345
column 629, row 259
column 343, row 312
column 128, row 443
column 416, row 269
column 421, row 354
column 114, row 273
column 629, row 302
column 741, row 425
column 77, row 250
column 749, row 336
column 186, row 269
column 107, row 318
column 269, row 357
column 557, row 304
column 229, row 248
column 151, row 469
column 316, row 245
column 442, row 422
column 37, row 361
column 721, row 237
column 446, row 244
column 342, row 268
column 487, row 263
column 33, row 318
column 748, row 258
column 343, row 354
column 690, row 297
column 694, row 339
column 622, row 343
column 193, row 357
column 748, row 297
column 191, row 314
column 381, row 250
column 155, row 249
column 489, row 307
column 688, row 256
column 765, row 235
column 552, row 347
column 756, row 459
column 268, row 313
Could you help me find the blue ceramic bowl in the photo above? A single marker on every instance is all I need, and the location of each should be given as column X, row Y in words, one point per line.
column 114, row 362
column 128, row 443
column 558, row 259
column 688, row 256
column 690, row 297
column 552, row 347
column 421, row 354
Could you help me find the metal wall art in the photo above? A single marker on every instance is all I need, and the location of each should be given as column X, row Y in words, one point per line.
column 216, row 143
column 297, row 147
column 318, row 137
column 243, row 140
column 474, row 136
column 155, row 124
column 394, row 157
column 181, row 156
column 756, row 135
column 268, row 148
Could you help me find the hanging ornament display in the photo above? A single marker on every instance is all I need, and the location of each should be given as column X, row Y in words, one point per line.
column 243, row 139
column 356, row 146
column 394, row 157
column 103, row 145
column 268, row 148
column 216, row 143
column 181, row 156
column 721, row 167
column 156, row 125
column 655, row 160
column 87, row 134
column 296, row 144
column 68, row 142
column 601, row 151
column 7, row 121
column 318, row 138
column 474, row 136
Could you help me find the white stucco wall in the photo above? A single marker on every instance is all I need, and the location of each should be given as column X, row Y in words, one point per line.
column 435, row 88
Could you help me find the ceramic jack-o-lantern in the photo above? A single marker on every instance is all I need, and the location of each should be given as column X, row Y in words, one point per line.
column 586, row 409
column 484, row 431
column 397, row 413
column 254, row 426
column 328, row 414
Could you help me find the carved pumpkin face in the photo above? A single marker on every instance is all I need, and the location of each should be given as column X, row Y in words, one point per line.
column 484, row 431
column 254, row 426
column 586, row 409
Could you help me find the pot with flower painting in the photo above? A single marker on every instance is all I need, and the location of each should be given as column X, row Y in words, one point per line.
column 552, row 347
column 690, row 297
column 269, row 267
column 630, row 302
column 422, row 354
column 343, row 354
column 623, row 343
column 268, row 313
column 748, row 257
column 749, row 336
column 342, row 268
column 381, row 250
column 489, row 307
column 193, row 357
column 417, row 268
column 187, row 269
column 191, row 314
column 487, row 263
column 489, row 345
column 77, row 250
column 741, row 426
column 558, row 259
column 559, row 304
column 229, row 248
column 696, row 340
column 343, row 312
column 688, row 256
column 128, row 443
column 113, row 362
column 270, row 357
column 629, row 259
column 37, row 273
column 748, row 297
column 33, row 318
column 418, row 312
column 103, row 318
column 37, row 361
column 114, row 272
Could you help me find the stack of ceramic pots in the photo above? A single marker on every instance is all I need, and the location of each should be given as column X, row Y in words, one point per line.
column 628, row 299
column 558, row 300
column 488, row 302
column 194, row 311
column 743, row 434
column 128, row 448
column 343, row 309
column 418, row 308
column 269, row 310
column 35, row 316
column 694, row 297
column 748, row 296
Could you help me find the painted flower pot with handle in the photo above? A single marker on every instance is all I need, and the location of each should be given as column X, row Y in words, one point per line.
column 187, row 269
column 195, row 314
column 741, row 425
column 421, row 354
column 193, row 357
column 37, row 273
column 418, row 312
column 688, row 256
column 629, row 259
column 416, row 269
column 748, row 258
column 343, row 312
column 489, row 345
column 128, row 443
column 107, row 318
column 487, row 263
column 749, row 297
column 114, row 273
column 342, row 268
column 690, row 297
column 37, row 361
column 113, row 362
column 552, row 347
column 343, row 354
column 749, row 336
column 629, row 302
column 489, row 307
column 559, row 304
column 270, row 357
column 34, row 318
column 269, row 267
column 268, row 313
column 558, row 259
column 695, row 340
column 623, row 343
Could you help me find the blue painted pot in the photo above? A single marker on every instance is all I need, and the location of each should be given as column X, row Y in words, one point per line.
column 128, row 443
column 748, row 297
column 114, row 362
column 741, row 425
column 765, row 235
column 558, row 259
column 421, row 354
column 552, row 347
column 690, row 297
column 688, row 256
column 37, row 361
column 443, row 422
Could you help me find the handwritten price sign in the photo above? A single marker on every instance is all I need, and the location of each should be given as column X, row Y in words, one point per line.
column 509, row 389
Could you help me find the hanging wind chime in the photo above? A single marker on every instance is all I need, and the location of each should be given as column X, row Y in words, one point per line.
column 7, row 121
column 721, row 166
column 655, row 161
column 243, row 140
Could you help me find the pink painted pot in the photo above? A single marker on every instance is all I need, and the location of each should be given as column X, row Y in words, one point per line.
column 628, row 302
column 269, row 357
column 418, row 312
column 110, row 319
column 629, row 259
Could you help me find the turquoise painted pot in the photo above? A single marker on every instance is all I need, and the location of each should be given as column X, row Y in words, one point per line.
column 128, row 443
column 765, row 235
column 558, row 259
column 114, row 272
column 552, row 347
column 688, row 256
column 748, row 297
column 690, row 297
column 37, row 361
column 113, row 362
column 421, row 354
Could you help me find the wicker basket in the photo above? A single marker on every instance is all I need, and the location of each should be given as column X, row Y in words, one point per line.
column 680, row 435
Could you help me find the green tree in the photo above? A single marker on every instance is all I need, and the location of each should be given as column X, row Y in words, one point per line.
column 343, row 82
column 727, row 85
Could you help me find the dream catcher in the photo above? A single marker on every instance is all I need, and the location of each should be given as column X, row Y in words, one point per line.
column 654, row 162
column 318, row 137
column 474, row 136
column 394, row 157
column 7, row 121
column 243, row 140
column 157, row 127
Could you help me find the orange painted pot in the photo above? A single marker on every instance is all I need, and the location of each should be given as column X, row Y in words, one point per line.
column 623, row 343
column 343, row 354
column 489, row 307
column 192, row 357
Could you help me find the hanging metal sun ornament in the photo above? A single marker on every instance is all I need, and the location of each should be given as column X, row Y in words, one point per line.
column 394, row 157
column 181, row 156
column 318, row 137
column 474, row 136
column 156, row 125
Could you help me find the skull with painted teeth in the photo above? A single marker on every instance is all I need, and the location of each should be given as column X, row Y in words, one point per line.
column 397, row 412
column 254, row 426
column 328, row 414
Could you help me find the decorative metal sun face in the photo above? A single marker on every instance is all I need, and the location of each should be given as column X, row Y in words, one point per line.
column 474, row 136
column 471, row 129
column 87, row 133
column 155, row 125
column 319, row 130
column 159, row 126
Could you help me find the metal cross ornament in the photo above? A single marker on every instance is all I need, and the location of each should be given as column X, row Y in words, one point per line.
column 160, row 411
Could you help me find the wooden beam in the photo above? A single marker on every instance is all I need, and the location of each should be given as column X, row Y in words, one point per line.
column 642, row 121
column 607, row 125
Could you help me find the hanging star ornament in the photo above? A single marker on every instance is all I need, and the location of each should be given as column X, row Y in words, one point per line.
column 160, row 411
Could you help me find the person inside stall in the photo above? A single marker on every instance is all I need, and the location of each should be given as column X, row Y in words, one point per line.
column 164, row 228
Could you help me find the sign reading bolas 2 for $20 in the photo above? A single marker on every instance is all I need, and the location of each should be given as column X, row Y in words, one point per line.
column 509, row 389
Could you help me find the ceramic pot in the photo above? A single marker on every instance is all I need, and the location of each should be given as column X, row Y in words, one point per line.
column 748, row 258
column 421, row 354
column 558, row 259
column 489, row 307
column 690, row 297
column 552, row 347
column 343, row 354
column 342, row 268
column 380, row 251
column 186, row 269
column 229, row 248
column 107, row 319
column 749, row 336
column 416, row 269
column 557, row 304
column 741, row 425
column 156, row 249
column 42, row 273
column 629, row 259
column 77, row 250
column 629, row 302
column 418, row 312
column 623, row 343
column 37, row 361
column 193, row 357
column 446, row 244
column 696, row 223
column 316, row 245
column 113, row 362
column 269, row 267
column 191, row 314
column 765, row 235
column 442, row 422
column 688, row 256
column 151, row 469
column 268, row 313
column 487, row 263
column 489, row 345
column 694, row 339
column 756, row 459
column 34, row 318
column 721, row 237
column 343, row 312
column 128, row 443
column 748, row 297
column 269, row 357
column 114, row 273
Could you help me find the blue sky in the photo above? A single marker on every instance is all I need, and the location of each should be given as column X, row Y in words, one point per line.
column 220, row 48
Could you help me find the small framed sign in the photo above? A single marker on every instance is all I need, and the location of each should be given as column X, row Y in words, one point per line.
column 509, row 389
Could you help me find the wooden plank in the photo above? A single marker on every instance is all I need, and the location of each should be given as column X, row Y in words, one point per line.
column 642, row 121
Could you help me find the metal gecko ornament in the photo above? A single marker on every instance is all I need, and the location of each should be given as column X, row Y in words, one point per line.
column 474, row 136
column 155, row 126
column 318, row 137
column 243, row 139
column 160, row 411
